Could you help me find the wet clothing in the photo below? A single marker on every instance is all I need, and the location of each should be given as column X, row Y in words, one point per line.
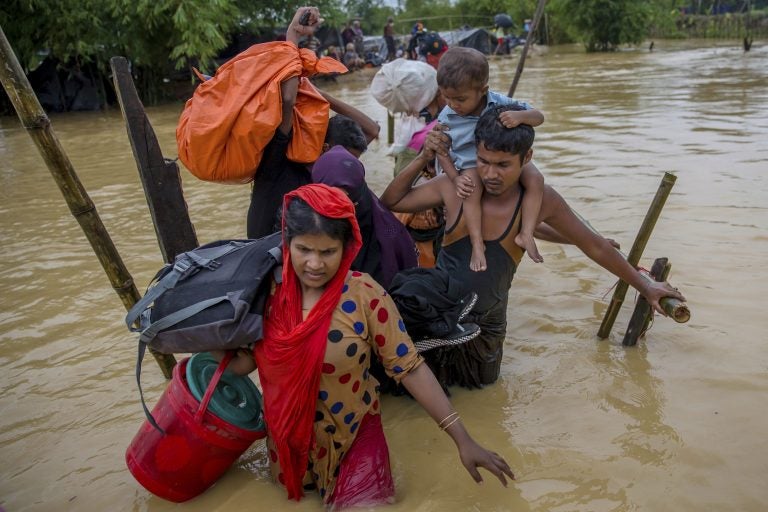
column 462, row 129
column 426, row 228
column 429, row 300
column 478, row 362
column 290, row 354
column 365, row 324
column 365, row 478
column 276, row 176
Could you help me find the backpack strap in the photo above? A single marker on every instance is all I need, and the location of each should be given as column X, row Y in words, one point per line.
column 148, row 334
column 213, row 253
column 277, row 272
column 185, row 264
column 181, row 267
column 139, row 358
column 206, row 398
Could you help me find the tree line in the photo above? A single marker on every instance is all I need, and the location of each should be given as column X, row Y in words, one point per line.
column 160, row 36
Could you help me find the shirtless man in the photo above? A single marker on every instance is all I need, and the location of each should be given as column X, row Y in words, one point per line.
column 501, row 153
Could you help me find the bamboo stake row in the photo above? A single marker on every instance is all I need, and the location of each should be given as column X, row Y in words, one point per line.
column 38, row 126
column 649, row 222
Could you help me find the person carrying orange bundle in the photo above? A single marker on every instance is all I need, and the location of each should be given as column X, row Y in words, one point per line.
column 229, row 121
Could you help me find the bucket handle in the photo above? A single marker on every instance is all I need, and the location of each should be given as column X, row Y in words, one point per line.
column 212, row 386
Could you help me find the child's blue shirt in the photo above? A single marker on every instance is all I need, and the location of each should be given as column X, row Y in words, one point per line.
column 462, row 130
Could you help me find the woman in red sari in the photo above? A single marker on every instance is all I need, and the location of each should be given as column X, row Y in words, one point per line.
column 323, row 325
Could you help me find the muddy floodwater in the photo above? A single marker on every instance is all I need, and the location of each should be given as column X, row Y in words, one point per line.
column 677, row 423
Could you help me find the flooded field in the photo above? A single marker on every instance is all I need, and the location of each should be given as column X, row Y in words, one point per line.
column 675, row 424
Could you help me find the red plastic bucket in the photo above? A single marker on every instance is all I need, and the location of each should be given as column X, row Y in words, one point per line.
column 196, row 449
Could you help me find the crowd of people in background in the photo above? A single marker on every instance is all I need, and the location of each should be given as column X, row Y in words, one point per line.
column 419, row 44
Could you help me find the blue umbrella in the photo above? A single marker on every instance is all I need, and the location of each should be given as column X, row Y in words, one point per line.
column 503, row 20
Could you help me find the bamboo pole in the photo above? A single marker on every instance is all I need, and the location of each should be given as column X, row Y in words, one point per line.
column 664, row 274
column 528, row 40
column 637, row 251
column 641, row 316
column 37, row 124
column 390, row 128
column 747, row 30
column 675, row 308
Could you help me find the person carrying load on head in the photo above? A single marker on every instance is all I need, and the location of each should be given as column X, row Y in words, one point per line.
column 260, row 119
column 410, row 88
column 432, row 48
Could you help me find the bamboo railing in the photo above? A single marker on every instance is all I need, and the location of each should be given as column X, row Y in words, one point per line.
column 649, row 222
column 34, row 119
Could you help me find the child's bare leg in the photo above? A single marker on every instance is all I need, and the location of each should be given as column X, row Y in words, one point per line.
column 473, row 214
column 527, row 242
column 533, row 183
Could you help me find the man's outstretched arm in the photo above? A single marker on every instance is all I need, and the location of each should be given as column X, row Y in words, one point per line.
column 556, row 212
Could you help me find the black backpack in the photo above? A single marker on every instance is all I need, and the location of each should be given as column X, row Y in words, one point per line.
column 209, row 298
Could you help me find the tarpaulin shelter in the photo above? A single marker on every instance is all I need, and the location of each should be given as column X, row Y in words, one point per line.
column 477, row 38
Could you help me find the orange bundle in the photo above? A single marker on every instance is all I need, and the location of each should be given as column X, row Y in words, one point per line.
column 231, row 118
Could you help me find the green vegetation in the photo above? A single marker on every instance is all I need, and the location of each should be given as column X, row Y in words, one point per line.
column 604, row 25
column 149, row 32
column 163, row 38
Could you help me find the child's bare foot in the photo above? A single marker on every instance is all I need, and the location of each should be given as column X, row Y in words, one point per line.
column 526, row 241
column 477, row 261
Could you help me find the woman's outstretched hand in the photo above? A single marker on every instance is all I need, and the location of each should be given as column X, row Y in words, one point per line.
column 421, row 383
column 474, row 456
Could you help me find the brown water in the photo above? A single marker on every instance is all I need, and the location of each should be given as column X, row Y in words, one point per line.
column 676, row 424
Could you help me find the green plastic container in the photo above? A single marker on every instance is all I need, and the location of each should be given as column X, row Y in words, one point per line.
column 236, row 400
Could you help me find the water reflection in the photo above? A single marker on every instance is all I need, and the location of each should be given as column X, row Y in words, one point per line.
column 635, row 393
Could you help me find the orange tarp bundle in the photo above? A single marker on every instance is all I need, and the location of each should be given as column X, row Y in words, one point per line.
column 231, row 118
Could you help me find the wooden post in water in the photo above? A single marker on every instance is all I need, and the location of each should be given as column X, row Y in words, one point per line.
column 159, row 176
column 641, row 316
column 747, row 30
column 637, row 251
column 528, row 41
column 643, row 312
column 37, row 124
